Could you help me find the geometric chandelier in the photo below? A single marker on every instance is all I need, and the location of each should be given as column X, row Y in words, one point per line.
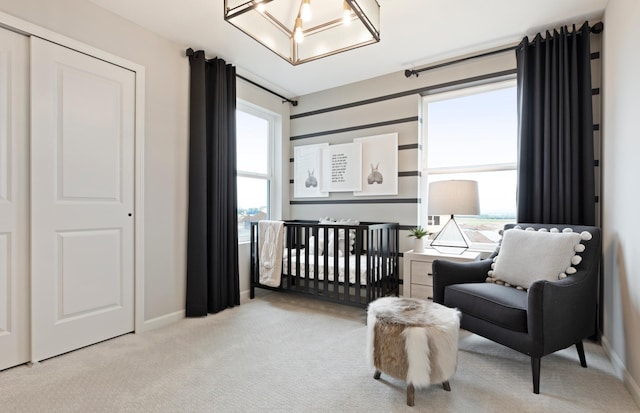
column 300, row 31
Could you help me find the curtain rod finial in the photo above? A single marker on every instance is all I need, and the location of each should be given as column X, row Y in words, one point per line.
column 597, row 28
column 409, row 73
column 189, row 52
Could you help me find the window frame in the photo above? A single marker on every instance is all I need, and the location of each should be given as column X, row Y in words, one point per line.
column 274, row 125
column 461, row 91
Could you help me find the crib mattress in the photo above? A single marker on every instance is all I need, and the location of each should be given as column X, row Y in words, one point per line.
column 330, row 272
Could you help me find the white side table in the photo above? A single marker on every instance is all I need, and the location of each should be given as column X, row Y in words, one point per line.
column 418, row 276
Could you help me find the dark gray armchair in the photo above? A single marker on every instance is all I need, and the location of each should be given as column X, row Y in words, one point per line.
column 550, row 316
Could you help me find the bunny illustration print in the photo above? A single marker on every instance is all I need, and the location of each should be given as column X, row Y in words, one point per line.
column 311, row 180
column 375, row 177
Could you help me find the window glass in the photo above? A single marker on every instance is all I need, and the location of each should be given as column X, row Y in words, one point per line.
column 476, row 129
column 254, row 146
column 472, row 134
column 252, row 143
column 253, row 203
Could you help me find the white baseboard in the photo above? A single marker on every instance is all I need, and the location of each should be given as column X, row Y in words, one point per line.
column 633, row 387
column 621, row 371
column 618, row 366
column 167, row 319
column 163, row 320
column 244, row 297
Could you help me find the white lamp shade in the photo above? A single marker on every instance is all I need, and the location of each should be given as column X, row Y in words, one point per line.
column 454, row 197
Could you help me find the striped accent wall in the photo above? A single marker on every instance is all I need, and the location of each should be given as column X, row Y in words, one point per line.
column 388, row 104
column 392, row 104
column 399, row 115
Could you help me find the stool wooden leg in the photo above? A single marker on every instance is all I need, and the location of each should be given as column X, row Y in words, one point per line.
column 377, row 375
column 410, row 395
column 446, row 385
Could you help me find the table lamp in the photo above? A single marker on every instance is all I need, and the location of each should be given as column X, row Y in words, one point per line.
column 453, row 197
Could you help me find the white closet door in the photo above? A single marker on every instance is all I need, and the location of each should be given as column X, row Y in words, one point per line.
column 14, row 191
column 82, row 152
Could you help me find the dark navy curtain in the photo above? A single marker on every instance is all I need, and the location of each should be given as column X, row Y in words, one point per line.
column 212, row 240
column 555, row 129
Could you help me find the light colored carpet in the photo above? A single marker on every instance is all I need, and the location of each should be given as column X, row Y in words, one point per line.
column 280, row 353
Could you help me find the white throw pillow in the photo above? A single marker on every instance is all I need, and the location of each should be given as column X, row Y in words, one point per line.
column 329, row 234
column 341, row 234
column 352, row 232
column 527, row 256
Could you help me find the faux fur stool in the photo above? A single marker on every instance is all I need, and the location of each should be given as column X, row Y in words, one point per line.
column 413, row 340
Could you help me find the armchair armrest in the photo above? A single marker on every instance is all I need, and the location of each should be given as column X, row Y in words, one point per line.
column 449, row 272
column 561, row 313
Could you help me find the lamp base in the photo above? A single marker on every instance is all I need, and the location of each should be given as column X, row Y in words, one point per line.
column 451, row 239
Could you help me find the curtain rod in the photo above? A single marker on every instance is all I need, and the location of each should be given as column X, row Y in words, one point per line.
column 596, row 28
column 293, row 102
column 190, row 52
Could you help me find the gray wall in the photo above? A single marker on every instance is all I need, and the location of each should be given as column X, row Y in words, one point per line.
column 166, row 120
column 167, row 138
column 166, row 123
column 390, row 98
column 620, row 222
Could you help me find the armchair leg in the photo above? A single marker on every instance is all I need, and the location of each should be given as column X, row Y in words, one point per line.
column 583, row 359
column 535, row 370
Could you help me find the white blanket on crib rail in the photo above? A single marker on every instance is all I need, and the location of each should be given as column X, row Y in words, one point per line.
column 270, row 242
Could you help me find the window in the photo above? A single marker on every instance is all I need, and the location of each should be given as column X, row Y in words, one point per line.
column 472, row 134
column 255, row 130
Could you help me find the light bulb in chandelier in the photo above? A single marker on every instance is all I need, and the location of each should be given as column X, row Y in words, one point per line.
column 260, row 7
column 305, row 10
column 346, row 14
column 298, row 35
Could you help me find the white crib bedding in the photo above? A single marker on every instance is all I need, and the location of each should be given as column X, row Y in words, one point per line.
column 331, row 271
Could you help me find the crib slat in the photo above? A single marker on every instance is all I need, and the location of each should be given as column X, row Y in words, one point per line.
column 357, row 250
column 316, row 258
column 290, row 237
column 347, row 262
column 336, row 271
column 254, row 260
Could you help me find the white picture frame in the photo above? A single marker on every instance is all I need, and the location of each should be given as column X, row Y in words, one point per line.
column 342, row 168
column 307, row 167
column 379, row 174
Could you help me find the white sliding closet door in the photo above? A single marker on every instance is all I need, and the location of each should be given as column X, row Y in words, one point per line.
column 82, row 194
column 14, row 191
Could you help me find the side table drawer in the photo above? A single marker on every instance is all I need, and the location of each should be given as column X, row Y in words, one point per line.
column 418, row 270
column 421, row 273
column 422, row 291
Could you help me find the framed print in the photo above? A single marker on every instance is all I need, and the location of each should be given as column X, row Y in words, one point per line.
column 307, row 166
column 342, row 168
column 379, row 165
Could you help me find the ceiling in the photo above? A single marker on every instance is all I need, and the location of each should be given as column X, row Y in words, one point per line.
column 413, row 33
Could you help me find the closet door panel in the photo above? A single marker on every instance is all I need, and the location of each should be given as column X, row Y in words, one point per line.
column 82, row 199
column 14, row 230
